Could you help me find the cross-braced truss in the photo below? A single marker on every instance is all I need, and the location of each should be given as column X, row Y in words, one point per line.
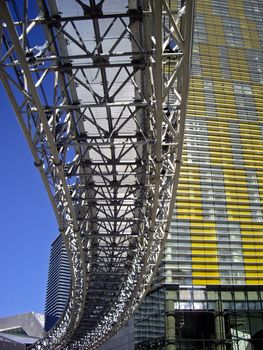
column 100, row 91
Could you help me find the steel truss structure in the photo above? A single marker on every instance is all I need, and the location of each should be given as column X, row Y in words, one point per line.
column 100, row 91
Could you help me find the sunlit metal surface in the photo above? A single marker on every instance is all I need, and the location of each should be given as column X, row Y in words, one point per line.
column 100, row 91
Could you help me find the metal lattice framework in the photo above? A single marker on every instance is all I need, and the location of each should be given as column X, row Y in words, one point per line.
column 100, row 90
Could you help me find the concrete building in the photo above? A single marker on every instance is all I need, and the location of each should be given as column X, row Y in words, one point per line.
column 19, row 331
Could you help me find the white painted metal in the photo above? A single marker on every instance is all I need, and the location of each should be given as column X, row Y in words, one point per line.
column 102, row 100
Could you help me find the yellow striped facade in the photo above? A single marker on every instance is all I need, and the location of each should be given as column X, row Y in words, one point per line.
column 216, row 235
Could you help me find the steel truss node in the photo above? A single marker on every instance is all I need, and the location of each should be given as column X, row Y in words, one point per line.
column 100, row 91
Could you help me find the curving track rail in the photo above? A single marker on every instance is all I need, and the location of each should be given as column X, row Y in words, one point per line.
column 100, row 91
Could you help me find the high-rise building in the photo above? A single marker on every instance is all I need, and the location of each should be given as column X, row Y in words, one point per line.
column 212, row 272
column 216, row 234
column 58, row 286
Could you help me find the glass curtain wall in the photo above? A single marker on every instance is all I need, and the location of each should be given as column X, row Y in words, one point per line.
column 212, row 271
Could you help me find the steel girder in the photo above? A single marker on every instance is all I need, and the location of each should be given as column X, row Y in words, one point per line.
column 102, row 104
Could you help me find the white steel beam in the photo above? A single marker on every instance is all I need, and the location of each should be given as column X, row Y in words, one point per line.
column 105, row 123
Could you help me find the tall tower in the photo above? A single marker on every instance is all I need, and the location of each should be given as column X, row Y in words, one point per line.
column 216, row 234
column 212, row 272
column 58, row 286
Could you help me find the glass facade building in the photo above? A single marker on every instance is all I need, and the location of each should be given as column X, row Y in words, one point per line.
column 202, row 318
column 59, row 282
column 216, row 235
column 212, row 274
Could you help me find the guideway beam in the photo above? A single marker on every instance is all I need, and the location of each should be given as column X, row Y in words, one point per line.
column 104, row 120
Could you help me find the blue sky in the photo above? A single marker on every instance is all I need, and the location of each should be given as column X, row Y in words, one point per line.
column 28, row 225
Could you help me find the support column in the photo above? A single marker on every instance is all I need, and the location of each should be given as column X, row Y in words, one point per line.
column 220, row 330
column 170, row 325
